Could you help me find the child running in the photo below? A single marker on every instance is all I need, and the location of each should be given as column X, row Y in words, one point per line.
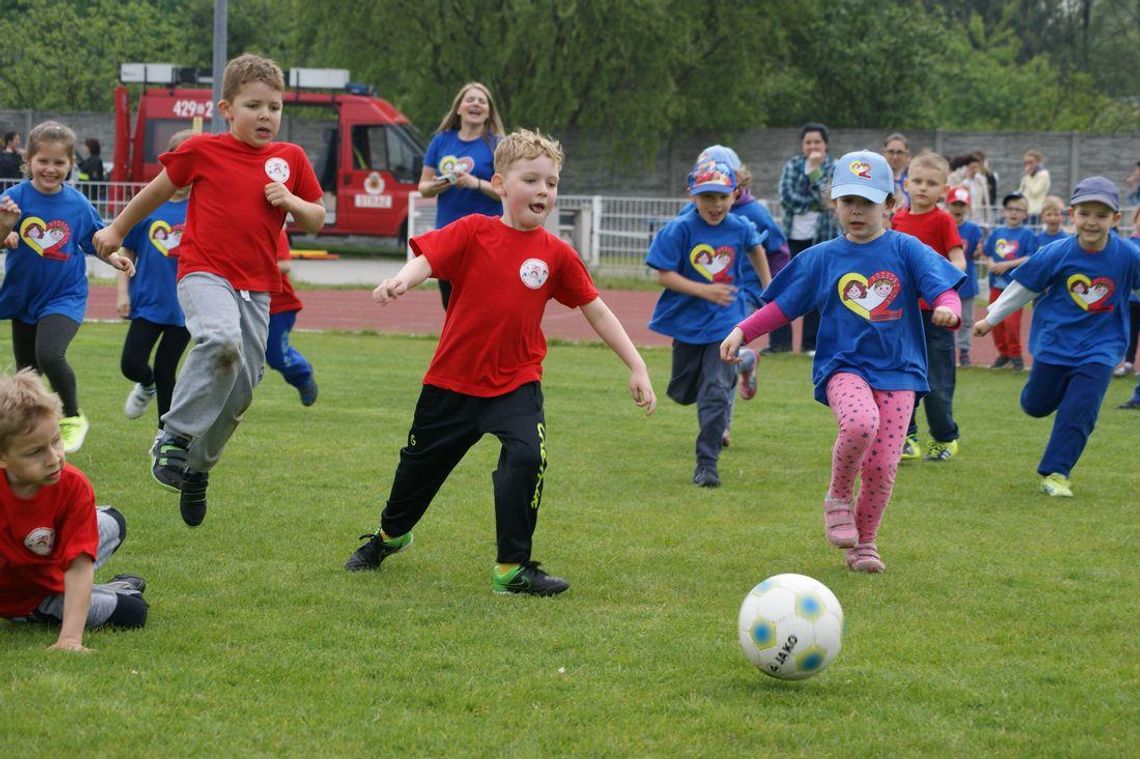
column 485, row 375
column 870, row 361
column 150, row 300
column 52, row 538
column 244, row 184
column 1008, row 247
column 283, row 309
column 1080, row 324
column 44, row 292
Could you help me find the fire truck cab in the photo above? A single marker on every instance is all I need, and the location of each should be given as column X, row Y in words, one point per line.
column 368, row 158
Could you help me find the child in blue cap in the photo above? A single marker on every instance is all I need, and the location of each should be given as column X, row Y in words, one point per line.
column 699, row 258
column 1080, row 324
column 870, row 361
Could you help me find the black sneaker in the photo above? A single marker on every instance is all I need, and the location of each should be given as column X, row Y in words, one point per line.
column 706, row 477
column 369, row 555
column 1017, row 364
column 132, row 583
column 1002, row 361
column 528, row 579
column 169, row 456
column 192, row 504
column 308, row 393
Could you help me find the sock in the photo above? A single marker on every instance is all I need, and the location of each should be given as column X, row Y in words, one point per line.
column 503, row 570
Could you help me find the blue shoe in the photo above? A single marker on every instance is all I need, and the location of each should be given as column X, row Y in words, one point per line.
column 308, row 392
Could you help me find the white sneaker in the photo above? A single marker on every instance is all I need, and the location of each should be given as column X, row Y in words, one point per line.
column 1123, row 369
column 137, row 401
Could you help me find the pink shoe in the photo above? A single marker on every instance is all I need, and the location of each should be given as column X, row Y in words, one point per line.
column 865, row 558
column 747, row 370
column 839, row 521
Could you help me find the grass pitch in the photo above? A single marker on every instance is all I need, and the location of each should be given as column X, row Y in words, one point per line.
column 1005, row 624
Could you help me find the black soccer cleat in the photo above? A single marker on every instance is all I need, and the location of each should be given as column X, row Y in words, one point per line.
column 192, row 504
column 369, row 555
column 528, row 579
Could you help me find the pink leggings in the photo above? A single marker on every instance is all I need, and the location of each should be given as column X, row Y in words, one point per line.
column 872, row 428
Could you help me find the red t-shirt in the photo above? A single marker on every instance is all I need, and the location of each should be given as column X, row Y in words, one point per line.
column 501, row 279
column 285, row 299
column 936, row 228
column 231, row 229
column 41, row 536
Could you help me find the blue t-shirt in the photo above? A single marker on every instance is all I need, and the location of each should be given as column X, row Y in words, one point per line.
column 445, row 153
column 155, row 241
column 47, row 274
column 867, row 297
column 1082, row 315
column 755, row 212
column 1006, row 243
column 971, row 235
column 703, row 253
column 1044, row 238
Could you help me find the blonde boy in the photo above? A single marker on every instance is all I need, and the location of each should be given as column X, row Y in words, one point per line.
column 1052, row 217
column 243, row 184
column 485, row 375
column 926, row 185
column 51, row 535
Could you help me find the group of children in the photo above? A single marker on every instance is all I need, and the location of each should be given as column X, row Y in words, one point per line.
column 889, row 303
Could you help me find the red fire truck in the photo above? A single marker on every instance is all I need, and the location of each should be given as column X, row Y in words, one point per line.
column 367, row 155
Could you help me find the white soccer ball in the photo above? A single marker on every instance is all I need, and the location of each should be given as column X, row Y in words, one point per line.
column 791, row 626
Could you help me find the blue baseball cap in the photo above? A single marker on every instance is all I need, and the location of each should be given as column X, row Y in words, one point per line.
column 1096, row 190
column 712, row 176
column 863, row 173
column 723, row 154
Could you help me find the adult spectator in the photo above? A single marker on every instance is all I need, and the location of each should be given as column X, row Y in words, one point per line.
column 11, row 159
column 91, row 167
column 1034, row 183
column 896, row 149
column 969, row 171
column 808, row 217
column 1134, row 185
column 460, row 161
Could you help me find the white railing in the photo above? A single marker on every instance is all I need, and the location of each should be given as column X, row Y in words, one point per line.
column 109, row 198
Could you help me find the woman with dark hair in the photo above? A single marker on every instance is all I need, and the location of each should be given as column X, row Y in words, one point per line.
column 91, row 167
column 11, row 160
column 808, row 217
column 460, row 161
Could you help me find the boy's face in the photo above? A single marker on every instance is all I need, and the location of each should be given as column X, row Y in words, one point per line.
column 926, row 186
column 862, row 220
column 529, row 191
column 1015, row 212
column 34, row 459
column 1052, row 218
column 959, row 211
column 713, row 206
column 1092, row 221
column 254, row 114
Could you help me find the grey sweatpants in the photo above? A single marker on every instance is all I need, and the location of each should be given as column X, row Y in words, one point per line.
column 228, row 329
column 699, row 376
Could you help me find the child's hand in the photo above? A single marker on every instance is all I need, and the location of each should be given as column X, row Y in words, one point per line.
column 1001, row 267
column 642, row 391
column 69, row 644
column 123, row 305
column 9, row 212
column 943, row 317
column 982, row 328
column 720, row 294
column 731, row 345
column 279, row 196
column 122, row 263
column 12, row 241
column 388, row 290
column 107, row 241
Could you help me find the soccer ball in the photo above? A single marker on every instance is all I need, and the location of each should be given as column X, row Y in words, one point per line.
column 791, row 626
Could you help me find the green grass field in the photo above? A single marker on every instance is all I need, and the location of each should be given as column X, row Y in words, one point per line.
column 1004, row 626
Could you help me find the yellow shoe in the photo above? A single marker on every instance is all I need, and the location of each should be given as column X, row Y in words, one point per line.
column 941, row 451
column 1057, row 485
column 911, row 451
column 73, row 430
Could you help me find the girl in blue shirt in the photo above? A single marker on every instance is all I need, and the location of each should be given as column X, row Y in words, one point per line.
column 460, row 162
column 45, row 278
column 870, row 361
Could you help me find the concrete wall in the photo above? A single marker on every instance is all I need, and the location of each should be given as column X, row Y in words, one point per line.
column 1068, row 155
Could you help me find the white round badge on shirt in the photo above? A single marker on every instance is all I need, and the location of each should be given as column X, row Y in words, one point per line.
column 534, row 272
column 40, row 541
column 277, row 169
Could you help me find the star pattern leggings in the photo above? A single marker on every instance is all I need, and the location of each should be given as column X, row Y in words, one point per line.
column 872, row 427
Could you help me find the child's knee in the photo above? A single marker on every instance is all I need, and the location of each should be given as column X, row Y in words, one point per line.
column 1034, row 406
column 130, row 611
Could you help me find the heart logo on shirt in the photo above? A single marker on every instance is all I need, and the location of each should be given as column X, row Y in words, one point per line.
column 1091, row 294
column 46, row 238
column 450, row 164
column 871, row 297
column 714, row 264
column 165, row 238
column 1006, row 249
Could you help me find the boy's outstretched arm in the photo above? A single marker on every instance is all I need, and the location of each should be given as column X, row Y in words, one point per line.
column 77, row 582
column 1011, row 299
column 410, row 275
column 109, row 239
column 607, row 327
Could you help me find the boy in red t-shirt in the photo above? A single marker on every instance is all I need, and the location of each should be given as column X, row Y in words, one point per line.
column 485, row 375
column 926, row 184
column 283, row 309
column 51, row 535
column 243, row 186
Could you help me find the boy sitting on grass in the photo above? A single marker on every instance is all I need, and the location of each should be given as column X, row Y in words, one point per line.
column 51, row 535
column 485, row 375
